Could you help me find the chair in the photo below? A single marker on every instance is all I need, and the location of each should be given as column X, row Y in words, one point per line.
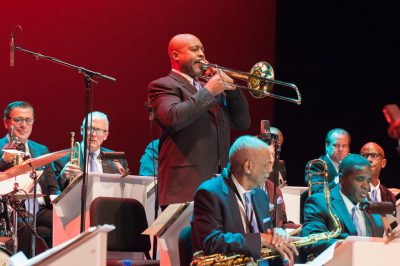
column 129, row 218
column 185, row 246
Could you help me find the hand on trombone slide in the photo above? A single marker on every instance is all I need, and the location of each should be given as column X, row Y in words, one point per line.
column 218, row 81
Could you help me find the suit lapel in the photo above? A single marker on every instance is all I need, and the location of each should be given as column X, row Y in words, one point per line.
column 261, row 210
column 231, row 201
column 183, row 81
column 339, row 208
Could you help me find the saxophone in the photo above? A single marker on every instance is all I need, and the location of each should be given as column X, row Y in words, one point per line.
column 199, row 259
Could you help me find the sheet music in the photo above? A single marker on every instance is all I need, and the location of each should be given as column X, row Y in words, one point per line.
column 166, row 218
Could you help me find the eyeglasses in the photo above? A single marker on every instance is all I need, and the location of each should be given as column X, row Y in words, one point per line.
column 98, row 131
column 20, row 120
column 373, row 155
column 343, row 146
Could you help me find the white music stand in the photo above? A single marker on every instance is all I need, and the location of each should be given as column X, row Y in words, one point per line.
column 66, row 214
column 89, row 248
column 167, row 228
column 291, row 196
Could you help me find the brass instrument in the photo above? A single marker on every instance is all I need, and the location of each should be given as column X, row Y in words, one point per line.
column 268, row 253
column 75, row 154
column 260, row 81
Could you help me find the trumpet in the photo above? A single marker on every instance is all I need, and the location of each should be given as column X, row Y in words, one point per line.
column 75, row 154
column 260, row 81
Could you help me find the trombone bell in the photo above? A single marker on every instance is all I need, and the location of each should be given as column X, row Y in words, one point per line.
column 258, row 87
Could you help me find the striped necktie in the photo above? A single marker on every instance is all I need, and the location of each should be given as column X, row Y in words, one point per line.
column 92, row 162
column 374, row 195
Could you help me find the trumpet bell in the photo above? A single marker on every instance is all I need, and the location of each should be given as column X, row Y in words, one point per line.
column 259, row 88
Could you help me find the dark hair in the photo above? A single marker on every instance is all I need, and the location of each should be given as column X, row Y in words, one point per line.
column 339, row 131
column 17, row 104
column 352, row 162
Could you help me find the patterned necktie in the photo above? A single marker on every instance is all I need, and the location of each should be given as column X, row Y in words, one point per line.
column 196, row 84
column 253, row 227
column 374, row 195
column 92, row 162
column 356, row 221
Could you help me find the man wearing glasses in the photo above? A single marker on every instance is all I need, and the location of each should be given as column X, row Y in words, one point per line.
column 337, row 146
column 376, row 157
column 98, row 131
column 18, row 120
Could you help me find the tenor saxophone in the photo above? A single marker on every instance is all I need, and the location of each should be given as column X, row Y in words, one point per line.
column 268, row 253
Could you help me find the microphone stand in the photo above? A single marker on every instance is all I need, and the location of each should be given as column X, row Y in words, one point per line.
column 156, row 207
column 88, row 75
column 277, row 148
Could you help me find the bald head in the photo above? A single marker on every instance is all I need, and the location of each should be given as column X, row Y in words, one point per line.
column 372, row 146
column 251, row 161
column 185, row 52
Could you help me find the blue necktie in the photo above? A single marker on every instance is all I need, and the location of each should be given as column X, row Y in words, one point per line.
column 356, row 221
column 374, row 195
column 249, row 213
column 92, row 162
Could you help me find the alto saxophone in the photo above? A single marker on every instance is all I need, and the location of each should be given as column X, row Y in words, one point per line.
column 268, row 253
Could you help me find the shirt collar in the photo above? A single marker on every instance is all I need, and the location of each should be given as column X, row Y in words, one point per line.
column 349, row 204
column 375, row 187
column 189, row 78
column 239, row 188
column 335, row 164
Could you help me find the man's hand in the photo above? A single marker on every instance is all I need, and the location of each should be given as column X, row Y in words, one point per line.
column 280, row 240
column 71, row 170
column 219, row 82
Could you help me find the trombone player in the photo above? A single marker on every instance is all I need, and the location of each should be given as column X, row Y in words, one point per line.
column 196, row 119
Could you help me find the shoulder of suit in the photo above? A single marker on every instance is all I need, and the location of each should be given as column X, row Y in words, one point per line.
column 105, row 149
column 37, row 145
column 213, row 184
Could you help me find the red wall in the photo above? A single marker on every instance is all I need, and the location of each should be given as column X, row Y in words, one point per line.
column 127, row 40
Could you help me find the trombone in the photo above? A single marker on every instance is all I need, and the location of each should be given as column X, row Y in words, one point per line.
column 260, row 81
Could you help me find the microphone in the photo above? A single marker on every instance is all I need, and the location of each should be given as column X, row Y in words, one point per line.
column 384, row 207
column 12, row 50
column 111, row 155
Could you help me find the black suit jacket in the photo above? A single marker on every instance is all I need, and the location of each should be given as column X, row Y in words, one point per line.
column 332, row 173
column 47, row 180
column 195, row 139
column 217, row 226
column 317, row 220
column 108, row 166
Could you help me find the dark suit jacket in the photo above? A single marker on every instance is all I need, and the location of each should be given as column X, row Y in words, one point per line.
column 387, row 195
column 108, row 166
column 47, row 180
column 332, row 173
column 317, row 220
column 217, row 225
column 195, row 139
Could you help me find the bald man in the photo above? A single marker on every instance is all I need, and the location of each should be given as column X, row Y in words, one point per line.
column 376, row 157
column 195, row 119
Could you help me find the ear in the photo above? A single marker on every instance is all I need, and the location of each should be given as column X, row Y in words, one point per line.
column 175, row 55
column 106, row 135
column 383, row 164
column 5, row 121
column 247, row 166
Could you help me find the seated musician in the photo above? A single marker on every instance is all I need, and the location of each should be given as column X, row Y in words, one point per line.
column 98, row 131
column 354, row 184
column 231, row 212
column 18, row 120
